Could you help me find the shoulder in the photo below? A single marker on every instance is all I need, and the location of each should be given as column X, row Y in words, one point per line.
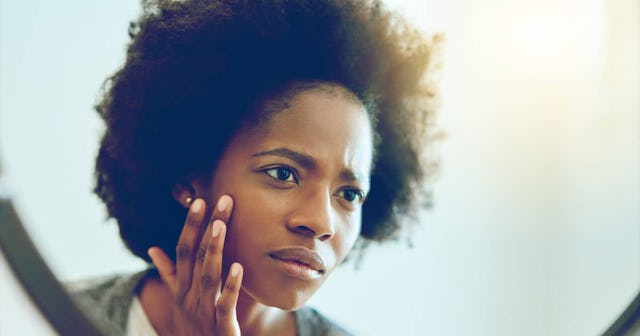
column 107, row 299
column 310, row 322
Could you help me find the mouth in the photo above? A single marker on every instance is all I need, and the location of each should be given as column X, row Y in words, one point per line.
column 299, row 262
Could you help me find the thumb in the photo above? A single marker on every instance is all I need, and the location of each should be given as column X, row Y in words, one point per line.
column 165, row 266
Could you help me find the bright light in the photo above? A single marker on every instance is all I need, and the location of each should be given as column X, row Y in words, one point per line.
column 558, row 36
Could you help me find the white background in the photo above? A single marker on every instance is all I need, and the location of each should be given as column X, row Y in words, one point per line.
column 536, row 225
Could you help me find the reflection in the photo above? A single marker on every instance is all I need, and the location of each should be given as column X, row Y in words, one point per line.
column 520, row 214
column 262, row 134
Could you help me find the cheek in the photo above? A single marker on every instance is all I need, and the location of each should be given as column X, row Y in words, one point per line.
column 346, row 238
column 257, row 218
column 250, row 205
column 256, row 207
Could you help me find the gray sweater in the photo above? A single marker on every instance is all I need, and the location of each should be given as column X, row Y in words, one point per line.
column 108, row 299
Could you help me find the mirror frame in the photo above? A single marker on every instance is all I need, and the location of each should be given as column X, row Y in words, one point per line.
column 66, row 317
column 36, row 278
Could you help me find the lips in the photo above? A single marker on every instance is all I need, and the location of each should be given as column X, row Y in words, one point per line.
column 299, row 255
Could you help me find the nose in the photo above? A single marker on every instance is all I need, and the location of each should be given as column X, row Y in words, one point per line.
column 313, row 216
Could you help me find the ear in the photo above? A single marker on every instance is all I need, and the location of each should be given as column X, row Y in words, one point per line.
column 184, row 193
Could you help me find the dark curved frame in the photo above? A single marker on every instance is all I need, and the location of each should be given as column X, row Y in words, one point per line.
column 67, row 319
column 629, row 321
column 37, row 279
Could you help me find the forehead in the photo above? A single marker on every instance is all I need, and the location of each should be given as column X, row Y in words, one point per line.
column 327, row 123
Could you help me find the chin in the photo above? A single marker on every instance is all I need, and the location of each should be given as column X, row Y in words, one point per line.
column 292, row 302
column 287, row 300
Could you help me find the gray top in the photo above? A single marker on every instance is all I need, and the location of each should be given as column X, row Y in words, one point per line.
column 107, row 300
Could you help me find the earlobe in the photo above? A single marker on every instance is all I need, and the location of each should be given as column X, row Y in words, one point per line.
column 184, row 194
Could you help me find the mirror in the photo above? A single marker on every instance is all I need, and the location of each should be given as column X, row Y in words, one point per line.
column 537, row 205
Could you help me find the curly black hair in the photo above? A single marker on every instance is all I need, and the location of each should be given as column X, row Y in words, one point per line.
column 195, row 71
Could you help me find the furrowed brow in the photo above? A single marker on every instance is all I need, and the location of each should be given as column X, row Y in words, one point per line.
column 303, row 160
column 349, row 176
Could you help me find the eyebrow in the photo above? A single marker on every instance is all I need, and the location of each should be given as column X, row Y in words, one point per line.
column 304, row 160
column 307, row 161
column 349, row 175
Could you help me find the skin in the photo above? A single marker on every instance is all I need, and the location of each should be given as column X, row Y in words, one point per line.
column 297, row 181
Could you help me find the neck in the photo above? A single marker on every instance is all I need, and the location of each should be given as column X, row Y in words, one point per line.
column 254, row 318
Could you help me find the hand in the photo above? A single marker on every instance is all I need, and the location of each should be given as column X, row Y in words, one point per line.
column 202, row 306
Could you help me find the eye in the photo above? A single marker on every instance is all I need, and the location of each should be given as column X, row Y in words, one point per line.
column 282, row 173
column 352, row 195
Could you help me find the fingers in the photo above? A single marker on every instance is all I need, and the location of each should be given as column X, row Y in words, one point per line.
column 165, row 267
column 226, row 319
column 222, row 211
column 187, row 248
column 196, row 277
column 211, row 278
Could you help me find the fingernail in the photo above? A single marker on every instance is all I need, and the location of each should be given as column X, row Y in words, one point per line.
column 223, row 203
column 151, row 253
column 196, row 206
column 215, row 230
column 235, row 269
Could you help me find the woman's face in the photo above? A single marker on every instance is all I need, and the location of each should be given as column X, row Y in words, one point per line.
column 298, row 185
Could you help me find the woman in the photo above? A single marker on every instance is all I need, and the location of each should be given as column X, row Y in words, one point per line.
column 266, row 124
